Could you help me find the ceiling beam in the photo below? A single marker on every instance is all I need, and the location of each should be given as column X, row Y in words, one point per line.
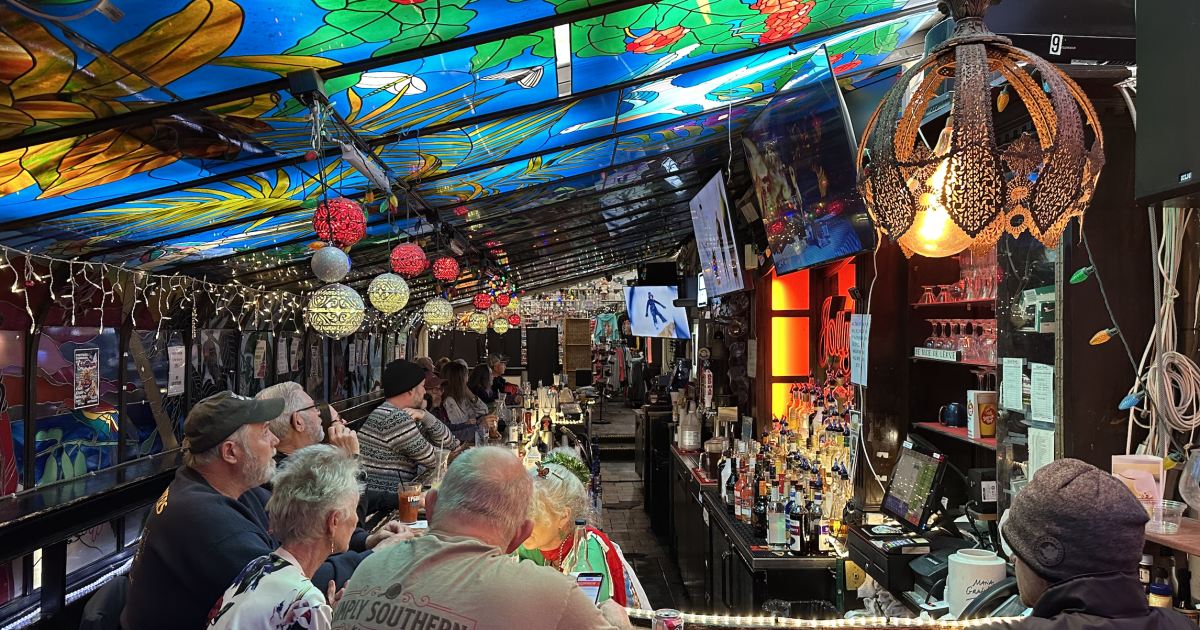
column 601, row 221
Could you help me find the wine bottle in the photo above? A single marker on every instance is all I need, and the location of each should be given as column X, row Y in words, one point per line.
column 759, row 520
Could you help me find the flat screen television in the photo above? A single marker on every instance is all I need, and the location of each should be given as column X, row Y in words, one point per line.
column 713, row 226
column 652, row 312
column 801, row 154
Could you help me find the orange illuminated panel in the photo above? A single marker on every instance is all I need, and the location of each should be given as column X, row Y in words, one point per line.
column 789, row 346
column 846, row 279
column 790, row 292
column 781, row 395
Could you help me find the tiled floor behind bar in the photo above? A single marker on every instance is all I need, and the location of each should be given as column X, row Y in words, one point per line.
column 626, row 523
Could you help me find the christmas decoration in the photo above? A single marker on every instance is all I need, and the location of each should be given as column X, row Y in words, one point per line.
column 514, row 304
column 478, row 322
column 340, row 221
column 330, row 264
column 445, row 269
column 514, row 320
column 438, row 312
column 500, row 325
column 502, row 299
column 334, row 310
column 482, row 300
column 408, row 260
column 388, row 292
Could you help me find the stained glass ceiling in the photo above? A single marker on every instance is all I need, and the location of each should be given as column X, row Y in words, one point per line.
column 547, row 132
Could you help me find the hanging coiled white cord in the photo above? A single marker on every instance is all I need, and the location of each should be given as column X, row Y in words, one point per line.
column 1171, row 380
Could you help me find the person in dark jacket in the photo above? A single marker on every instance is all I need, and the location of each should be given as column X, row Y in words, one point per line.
column 481, row 383
column 1076, row 534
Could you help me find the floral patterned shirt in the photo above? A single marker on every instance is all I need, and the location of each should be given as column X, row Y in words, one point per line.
column 271, row 593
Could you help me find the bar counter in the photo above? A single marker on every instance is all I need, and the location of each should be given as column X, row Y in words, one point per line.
column 642, row 619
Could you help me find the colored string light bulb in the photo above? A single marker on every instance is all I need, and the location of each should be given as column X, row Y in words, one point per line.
column 1103, row 336
column 1083, row 274
column 1132, row 400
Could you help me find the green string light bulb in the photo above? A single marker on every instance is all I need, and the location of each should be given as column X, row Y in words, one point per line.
column 1083, row 274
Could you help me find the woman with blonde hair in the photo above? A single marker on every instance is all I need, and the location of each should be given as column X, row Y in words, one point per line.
column 560, row 497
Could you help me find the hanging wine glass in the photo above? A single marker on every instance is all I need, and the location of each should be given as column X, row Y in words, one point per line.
column 927, row 296
column 935, row 332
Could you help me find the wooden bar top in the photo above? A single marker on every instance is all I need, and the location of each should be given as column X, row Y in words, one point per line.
column 1187, row 539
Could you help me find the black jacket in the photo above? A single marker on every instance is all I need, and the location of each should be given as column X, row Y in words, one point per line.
column 1111, row 601
column 195, row 543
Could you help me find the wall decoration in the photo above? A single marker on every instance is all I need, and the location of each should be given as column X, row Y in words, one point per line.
column 87, row 377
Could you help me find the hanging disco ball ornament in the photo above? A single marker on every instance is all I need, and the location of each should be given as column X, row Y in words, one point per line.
column 478, row 322
column 330, row 264
column 500, row 325
column 438, row 312
column 968, row 191
column 334, row 311
column 482, row 300
column 408, row 260
column 340, row 221
column 445, row 269
column 388, row 292
column 502, row 299
column 514, row 320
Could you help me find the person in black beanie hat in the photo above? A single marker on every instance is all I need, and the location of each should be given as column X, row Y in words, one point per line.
column 398, row 437
column 1076, row 535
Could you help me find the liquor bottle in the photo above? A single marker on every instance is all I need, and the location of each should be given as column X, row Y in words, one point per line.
column 797, row 525
column 814, row 524
column 690, row 430
column 1181, row 586
column 759, row 521
column 576, row 561
column 777, row 536
column 747, row 494
column 731, row 484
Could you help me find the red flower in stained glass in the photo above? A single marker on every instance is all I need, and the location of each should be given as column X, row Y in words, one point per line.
column 656, row 39
column 408, row 1
column 785, row 18
column 847, row 67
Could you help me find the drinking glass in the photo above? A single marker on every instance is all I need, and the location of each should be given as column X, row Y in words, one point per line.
column 927, row 296
column 977, row 341
column 410, row 499
column 958, row 292
column 963, row 340
column 943, row 293
column 956, row 340
column 935, row 332
column 989, row 341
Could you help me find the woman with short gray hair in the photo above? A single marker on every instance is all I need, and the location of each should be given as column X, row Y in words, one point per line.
column 312, row 513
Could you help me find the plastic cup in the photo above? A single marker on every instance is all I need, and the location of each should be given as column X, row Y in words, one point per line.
column 410, row 499
column 1164, row 516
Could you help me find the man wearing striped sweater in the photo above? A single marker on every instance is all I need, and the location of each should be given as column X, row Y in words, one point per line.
column 398, row 436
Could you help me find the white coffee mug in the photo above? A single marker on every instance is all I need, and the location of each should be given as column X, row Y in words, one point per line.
column 972, row 573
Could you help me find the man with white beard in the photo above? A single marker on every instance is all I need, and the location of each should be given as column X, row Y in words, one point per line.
column 198, row 537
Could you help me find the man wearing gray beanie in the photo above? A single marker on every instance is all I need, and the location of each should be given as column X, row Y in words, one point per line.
column 1076, row 534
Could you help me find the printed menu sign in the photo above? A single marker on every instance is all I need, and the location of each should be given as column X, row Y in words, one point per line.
column 87, row 378
column 174, row 370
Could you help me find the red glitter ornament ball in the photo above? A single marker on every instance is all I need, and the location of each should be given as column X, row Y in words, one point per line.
column 482, row 300
column 408, row 260
column 445, row 269
column 514, row 320
column 340, row 221
column 502, row 299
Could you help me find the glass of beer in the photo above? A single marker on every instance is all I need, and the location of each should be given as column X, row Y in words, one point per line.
column 410, row 499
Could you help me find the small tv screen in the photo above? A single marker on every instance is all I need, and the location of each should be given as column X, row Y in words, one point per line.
column 713, row 226
column 801, row 153
column 701, row 291
column 652, row 313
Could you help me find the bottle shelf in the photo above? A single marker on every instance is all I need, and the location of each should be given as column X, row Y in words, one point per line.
column 983, row 302
column 945, row 356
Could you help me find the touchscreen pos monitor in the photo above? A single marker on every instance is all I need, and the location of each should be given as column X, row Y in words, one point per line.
column 914, row 491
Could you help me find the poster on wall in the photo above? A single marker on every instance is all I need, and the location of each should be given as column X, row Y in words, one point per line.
column 351, row 357
column 87, row 377
column 174, row 370
column 714, row 238
column 403, row 346
column 295, row 354
column 314, row 356
column 260, row 359
column 281, row 358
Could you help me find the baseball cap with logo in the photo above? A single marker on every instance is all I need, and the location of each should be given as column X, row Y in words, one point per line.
column 212, row 420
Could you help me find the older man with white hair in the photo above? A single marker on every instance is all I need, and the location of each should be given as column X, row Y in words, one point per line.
column 460, row 573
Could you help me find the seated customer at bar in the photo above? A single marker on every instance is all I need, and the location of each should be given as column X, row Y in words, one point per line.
column 467, row 414
column 1077, row 533
column 312, row 512
column 479, row 382
column 299, row 426
column 459, row 574
column 199, row 536
column 398, row 437
column 560, row 497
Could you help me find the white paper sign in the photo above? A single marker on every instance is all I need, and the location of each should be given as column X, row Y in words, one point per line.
column 1010, row 394
column 174, row 370
column 281, row 358
column 351, row 358
column 295, row 354
column 1041, row 391
column 314, row 361
column 260, row 358
column 860, row 334
column 752, row 358
column 1041, row 448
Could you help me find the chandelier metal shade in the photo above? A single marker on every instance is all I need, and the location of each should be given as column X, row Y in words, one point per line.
column 438, row 312
column 340, row 221
column 408, row 260
column 967, row 191
column 334, row 311
column 478, row 322
column 388, row 292
column 500, row 325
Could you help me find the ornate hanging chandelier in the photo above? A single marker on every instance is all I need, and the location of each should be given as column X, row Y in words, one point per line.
column 482, row 300
column 388, row 292
column 478, row 322
column 330, row 264
column 438, row 312
column 340, row 221
column 445, row 269
column 408, row 260
column 500, row 325
column 966, row 192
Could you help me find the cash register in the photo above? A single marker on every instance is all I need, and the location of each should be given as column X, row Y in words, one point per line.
column 907, row 558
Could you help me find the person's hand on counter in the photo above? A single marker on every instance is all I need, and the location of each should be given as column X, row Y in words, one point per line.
column 615, row 615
